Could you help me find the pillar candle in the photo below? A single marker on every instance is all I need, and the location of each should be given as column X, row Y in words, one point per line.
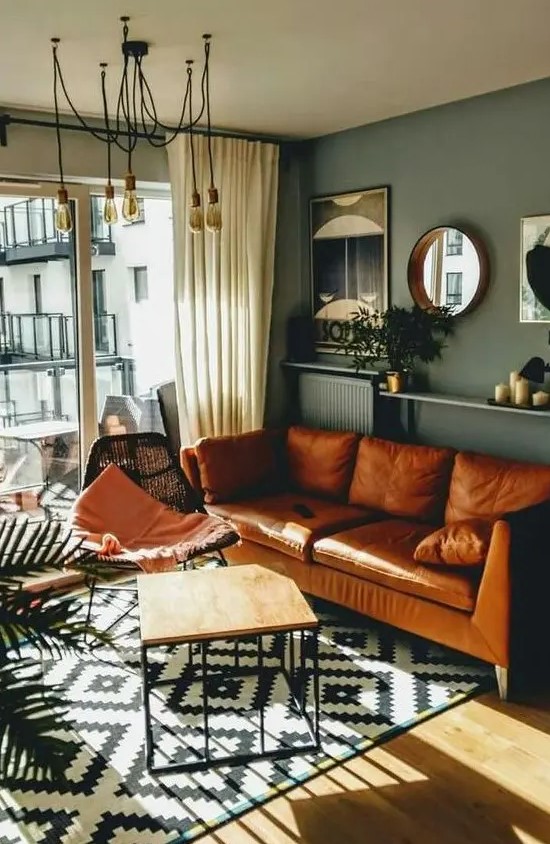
column 540, row 398
column 513, row 378
column 502, row 393
column 521, row 393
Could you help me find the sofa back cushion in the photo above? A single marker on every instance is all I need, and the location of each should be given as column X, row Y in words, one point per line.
column 486, row 487
column 410, row 481
column 321, row 462
column 237, row 467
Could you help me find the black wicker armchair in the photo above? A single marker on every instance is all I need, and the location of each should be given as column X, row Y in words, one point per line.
column 147, row 460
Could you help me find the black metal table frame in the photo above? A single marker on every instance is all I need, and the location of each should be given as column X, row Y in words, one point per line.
column 296, row 675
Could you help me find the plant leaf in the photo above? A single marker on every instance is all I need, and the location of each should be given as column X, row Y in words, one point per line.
column 30, row 714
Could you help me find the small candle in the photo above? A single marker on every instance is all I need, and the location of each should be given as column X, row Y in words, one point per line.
column 521, row 393
column 513, row 378
column 540, row 398
column 502, row 393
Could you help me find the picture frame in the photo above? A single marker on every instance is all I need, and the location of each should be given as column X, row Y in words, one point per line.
column 349, row 259
column 534, row 269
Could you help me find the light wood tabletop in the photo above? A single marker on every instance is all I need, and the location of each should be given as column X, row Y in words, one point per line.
column 219, row 603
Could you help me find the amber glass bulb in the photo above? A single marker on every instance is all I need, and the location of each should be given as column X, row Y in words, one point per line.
column 213, row 211
column 196, row 218
column 110, row 214
column 130, row 205
column 63, row 220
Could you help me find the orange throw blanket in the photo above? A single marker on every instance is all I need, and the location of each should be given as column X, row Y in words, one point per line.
column 121, row 522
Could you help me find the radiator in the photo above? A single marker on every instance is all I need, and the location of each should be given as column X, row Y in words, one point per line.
column 336, row 403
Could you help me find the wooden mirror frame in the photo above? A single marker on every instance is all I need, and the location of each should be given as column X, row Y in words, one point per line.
column 415, row 268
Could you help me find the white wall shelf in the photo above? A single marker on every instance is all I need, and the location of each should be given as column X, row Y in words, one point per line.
column 462, row 401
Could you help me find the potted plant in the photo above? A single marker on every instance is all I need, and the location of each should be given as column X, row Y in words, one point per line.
column 34, row 625
column 399, row 336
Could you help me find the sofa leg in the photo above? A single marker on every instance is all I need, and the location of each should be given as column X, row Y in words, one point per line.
column 503, row 679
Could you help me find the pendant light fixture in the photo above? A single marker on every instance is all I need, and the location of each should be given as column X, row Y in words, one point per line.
column 196, row 219
column 63, row 220
column 213, row 210
column 110, row 213
column 135, row 119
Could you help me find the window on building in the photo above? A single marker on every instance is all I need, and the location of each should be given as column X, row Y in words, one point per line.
column 141, row 288
column 2, row 299
column 98, row 282
column 37, row 293
column 454, row 242
column 102, row 322
column 454, row 289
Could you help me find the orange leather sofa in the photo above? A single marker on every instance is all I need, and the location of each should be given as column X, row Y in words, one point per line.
column 342, row 515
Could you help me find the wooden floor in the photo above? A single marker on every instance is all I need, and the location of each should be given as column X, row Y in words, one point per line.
column 479, row 773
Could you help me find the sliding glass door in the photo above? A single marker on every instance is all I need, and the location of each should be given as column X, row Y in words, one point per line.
column 132, row 271
column 47, row 387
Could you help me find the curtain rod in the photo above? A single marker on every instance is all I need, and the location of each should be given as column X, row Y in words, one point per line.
column 8, row 119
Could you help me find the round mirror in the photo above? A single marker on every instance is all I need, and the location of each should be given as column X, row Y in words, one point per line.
column 448, row 267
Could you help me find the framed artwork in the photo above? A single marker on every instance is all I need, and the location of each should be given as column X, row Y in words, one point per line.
column 534, row 301
column 349, row 260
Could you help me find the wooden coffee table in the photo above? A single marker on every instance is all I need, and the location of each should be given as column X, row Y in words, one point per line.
column 201, row 607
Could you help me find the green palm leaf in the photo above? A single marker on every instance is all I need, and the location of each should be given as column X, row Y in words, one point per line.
column 27, row 550
column 36, row 624
column 31, row 714
column 45, row 621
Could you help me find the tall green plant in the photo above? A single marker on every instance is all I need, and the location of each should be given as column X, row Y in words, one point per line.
column 399, row 336
column 35, row 625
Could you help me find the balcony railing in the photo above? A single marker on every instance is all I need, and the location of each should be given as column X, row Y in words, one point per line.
column 50, row 337
column 27, row 231
column 45, row 390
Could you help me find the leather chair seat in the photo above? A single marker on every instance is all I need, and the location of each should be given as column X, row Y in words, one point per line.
column 383, row 553
column 275, row 522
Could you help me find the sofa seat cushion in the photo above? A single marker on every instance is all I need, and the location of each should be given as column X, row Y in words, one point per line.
column 276, row 521
column 382, row 553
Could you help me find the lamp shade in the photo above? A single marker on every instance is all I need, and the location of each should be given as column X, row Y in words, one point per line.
column 534, row 370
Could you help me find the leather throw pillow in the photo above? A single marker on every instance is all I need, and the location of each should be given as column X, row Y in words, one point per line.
column 464, row 543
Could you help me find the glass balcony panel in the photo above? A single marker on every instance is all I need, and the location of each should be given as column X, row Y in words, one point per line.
column 21, row 224
column 36, row 220
column 39, row 428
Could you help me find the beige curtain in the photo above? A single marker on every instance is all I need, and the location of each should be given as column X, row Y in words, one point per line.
column 223, row 286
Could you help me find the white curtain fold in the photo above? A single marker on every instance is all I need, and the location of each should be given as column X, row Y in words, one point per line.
column 223, row 285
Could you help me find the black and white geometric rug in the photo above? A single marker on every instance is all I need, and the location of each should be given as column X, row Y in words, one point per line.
column 375, row 682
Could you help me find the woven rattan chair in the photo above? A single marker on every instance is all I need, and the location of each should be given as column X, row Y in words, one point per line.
column 146, row 459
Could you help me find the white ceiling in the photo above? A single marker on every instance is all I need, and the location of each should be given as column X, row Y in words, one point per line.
column 286, row 67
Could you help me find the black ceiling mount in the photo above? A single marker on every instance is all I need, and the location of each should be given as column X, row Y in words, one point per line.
column 135, row 49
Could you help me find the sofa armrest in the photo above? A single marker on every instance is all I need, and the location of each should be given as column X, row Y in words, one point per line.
column 188, row 462
column 512, row 606
column 493, row 607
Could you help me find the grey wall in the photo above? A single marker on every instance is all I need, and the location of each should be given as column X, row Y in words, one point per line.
column 481, row 163
column 290, row 295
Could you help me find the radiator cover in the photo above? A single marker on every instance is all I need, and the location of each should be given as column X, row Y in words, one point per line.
column 336, row 403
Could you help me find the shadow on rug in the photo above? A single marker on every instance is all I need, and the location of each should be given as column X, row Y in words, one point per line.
column 375, row 682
